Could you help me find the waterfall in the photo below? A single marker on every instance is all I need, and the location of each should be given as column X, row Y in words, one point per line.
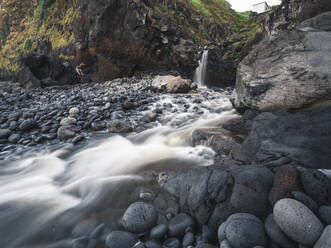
column 201, row 72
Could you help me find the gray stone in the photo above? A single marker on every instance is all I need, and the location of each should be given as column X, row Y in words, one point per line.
column 265, row 84
column 306, row 200
column 179, row 223
column 14, row 138
column 297, row 221
column 204, row 245
column 28, row 125
column 69, row 121
column 119, row 126
column 277, row 235
column 84, row 228
column 303, row 137
column 171, row 243
column 153, row 244
column 321, row 22
column 65, row 132
column 244, row 231
column 159, row 231
column 325, row 239
column 4, row 133
column 225, row 244
column 74, row 111
column 121, row 239
column 188, row 239
column 139, row 217
column 325, row 214
column 317, row 185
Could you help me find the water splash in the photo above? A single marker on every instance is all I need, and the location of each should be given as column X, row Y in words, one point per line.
column 201, row 72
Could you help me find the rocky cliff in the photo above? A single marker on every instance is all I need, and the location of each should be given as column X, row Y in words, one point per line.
column 102, row 40
column 290, row 68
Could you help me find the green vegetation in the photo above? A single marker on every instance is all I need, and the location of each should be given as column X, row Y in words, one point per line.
column 27, row 45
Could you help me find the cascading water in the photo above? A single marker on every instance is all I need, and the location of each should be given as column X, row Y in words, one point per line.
column 45, row 198
column 201, row 72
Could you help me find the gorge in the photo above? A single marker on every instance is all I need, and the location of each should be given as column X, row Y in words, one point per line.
column 164, row 124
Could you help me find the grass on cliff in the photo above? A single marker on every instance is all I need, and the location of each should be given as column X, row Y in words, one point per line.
column 49, row 20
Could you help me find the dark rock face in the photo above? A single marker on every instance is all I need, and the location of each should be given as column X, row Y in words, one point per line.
column 117, row 38
column 286, row 180
column 212, row 194
column 289, row 13
column 304, row 138
column 265, row 84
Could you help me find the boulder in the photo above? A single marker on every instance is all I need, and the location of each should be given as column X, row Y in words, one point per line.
column 286, row 180
column 212, row 194
column 277, row 235
column 278, row 73
column 325, row 239
column 304, row 138
column 172, row 84
column 140, row 217
column 321, row 22
column 121, row 239
column 244, row 231
column 297, row 221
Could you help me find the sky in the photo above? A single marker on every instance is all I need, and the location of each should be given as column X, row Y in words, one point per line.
column 243, row 5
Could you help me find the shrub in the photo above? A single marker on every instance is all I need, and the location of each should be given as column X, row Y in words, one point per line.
column 27, row 45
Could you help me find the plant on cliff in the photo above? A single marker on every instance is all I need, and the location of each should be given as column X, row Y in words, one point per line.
column 27, row 45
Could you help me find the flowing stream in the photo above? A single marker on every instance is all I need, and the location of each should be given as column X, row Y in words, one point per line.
column 43, row 197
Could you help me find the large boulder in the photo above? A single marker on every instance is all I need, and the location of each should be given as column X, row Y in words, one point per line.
column 290, row 70
column 304, row 138
column 212, row 194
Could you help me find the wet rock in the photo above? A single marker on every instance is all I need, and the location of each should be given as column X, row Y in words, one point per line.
column 225, row 244
column 159, row 231
column 14, row 138
column 84, row 228
column 325, row 239
column 188, row 239
column 286, row 180
column 265, row 85
column 69, row 121
column 204, row 245
column 306, row 200
column 121, row 239
column 171, row 243
column 119, row 126
column 325, row 214
column 65, row 133
column 153, row 244
column 4, row 133
column 317, row 185
column 297, row 221
column 139, row 217
column 208, row 234
column 243, row 231
column 28, row 125
column 149, row 117
column 307, row 143
column 277, row 235
column 74, row 112
column 179, row 223
column 172, row 84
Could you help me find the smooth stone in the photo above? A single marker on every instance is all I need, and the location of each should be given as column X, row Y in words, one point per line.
column 153, row 244
column 245, row 231
column 4, row 133
column 325, row 214
column 317, row 185
column 325, row 239
column 84, row 228
column 306, row 200
column 297, row 221
column 276, row 234
column 28, row 125
column 221, row 235
column 65, row 132
column 14, row 138
column 179, row 223
column 68, row 121
column 119, row 126
column 204, row 245
column 121, row 239
column 225, row 244
column 209, row 235
column 139, row 217
column 188, row 239
column 159, row 231
column 74, row 111
column 171, row 243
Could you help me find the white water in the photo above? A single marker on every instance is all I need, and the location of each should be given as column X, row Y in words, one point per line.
column 42, row 198
column 201, row 72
